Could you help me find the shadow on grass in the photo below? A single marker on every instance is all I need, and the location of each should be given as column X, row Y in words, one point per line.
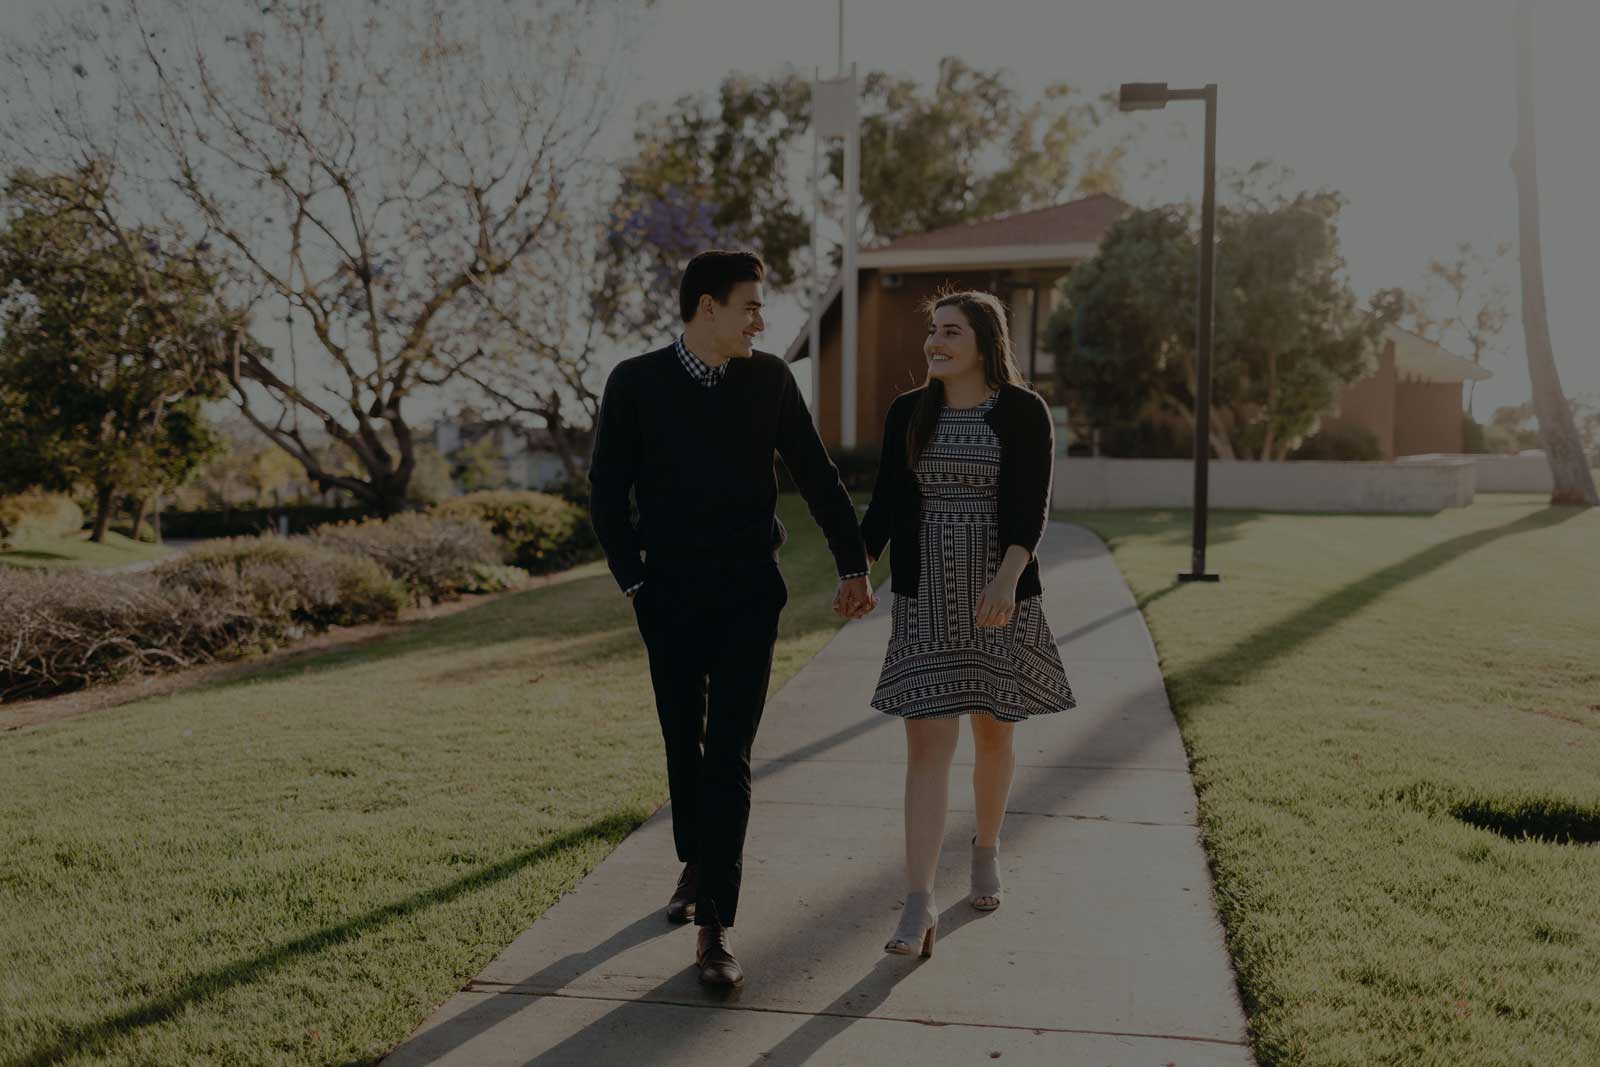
column 1167, row 526
column 1251, row 654
column 1146, row 601
column 30, row 553
column 611, row 829
column 586, row 613
column 1554, row 820
column 1549, row 820
column 550, row 612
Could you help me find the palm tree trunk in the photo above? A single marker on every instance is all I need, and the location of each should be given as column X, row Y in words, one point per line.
column 1563, row 450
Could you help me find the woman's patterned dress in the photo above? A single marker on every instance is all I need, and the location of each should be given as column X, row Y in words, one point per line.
column 940, row 662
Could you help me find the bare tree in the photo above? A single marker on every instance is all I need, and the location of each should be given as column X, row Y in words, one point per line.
column 1477, row 302
column 1574, row 484
column 543, row 384
column 386, row 180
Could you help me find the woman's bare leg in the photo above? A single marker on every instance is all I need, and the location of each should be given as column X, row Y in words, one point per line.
column 994, row 765
column 930, row 748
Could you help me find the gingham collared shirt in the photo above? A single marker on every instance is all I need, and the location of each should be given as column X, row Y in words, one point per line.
column 710, row 377
column 707, row 376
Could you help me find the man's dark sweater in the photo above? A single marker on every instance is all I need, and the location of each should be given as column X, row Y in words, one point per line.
column 699, row 462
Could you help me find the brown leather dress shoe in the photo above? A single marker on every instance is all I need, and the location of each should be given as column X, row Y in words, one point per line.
column 680, row 909
column 715, row 959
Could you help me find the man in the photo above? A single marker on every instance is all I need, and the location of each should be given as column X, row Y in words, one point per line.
column 690, row 430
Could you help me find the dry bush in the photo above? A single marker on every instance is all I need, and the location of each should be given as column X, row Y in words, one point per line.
column 291, row 581
column 64, row 631
column 434, row 557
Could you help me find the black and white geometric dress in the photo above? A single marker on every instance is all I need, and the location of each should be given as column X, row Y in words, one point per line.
column 940, row 662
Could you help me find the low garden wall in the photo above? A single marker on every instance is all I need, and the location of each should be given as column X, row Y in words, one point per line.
column 1501, row 474
column 1102, row 484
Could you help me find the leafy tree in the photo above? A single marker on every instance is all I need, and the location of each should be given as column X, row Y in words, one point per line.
column 431, row 483
column 1289, row 332
column 729, row 171
column 1123, row 334
column 1513, row 428
column 107, row 350
column 479, row 465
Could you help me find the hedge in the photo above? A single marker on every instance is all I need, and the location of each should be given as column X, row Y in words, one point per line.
column 66, row 631
column 541, row 532
column 1346, row 443
column 288, row 582
column 433, row 556
column 38, row 516
column 61, row 631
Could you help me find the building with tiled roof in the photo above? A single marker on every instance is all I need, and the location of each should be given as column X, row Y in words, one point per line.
column 1019, row 257
column 1411, row 401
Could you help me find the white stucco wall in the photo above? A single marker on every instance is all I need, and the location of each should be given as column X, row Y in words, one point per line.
column 1504, row 474
column 1099, row 484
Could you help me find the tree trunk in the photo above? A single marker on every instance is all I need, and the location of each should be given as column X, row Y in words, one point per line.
column 139, row 513
column 104, row 497
column 1563, row 450
column 389, row 496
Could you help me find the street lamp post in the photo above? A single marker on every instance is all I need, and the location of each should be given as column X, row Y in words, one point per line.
column 1150, row 96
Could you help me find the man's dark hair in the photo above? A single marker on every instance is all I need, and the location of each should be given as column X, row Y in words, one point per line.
column 717, row 272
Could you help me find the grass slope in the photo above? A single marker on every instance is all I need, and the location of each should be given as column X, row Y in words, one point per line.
column 298, row 867
column 1371, row 704
column 78, row 551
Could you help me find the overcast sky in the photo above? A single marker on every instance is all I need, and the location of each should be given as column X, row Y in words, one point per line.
column 1406, row 106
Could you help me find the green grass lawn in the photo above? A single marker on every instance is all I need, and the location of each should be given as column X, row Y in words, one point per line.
column 297, row 868
column 1360, row 697
column 79, row 551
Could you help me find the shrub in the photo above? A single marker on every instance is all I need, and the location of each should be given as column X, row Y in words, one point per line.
column 290, row 583
column 541, row 532
column 38, row 516
column 1473, row 440
column 1346, row 443
column 432, row 556
column 65, row 631
column 496, row 578
column 573, row 491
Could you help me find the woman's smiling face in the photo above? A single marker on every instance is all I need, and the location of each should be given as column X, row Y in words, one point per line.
column 951, row 347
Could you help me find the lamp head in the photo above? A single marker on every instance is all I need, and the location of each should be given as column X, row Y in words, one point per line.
column 1142, row 96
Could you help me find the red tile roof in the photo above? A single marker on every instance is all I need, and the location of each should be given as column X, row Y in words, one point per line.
column 1078, row 220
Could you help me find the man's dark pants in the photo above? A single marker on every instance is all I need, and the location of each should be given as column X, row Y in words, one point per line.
column 710, row 626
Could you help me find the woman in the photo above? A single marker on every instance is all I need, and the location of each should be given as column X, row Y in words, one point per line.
column 962, row 498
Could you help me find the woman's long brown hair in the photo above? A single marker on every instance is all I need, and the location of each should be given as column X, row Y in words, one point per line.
column 987, row 316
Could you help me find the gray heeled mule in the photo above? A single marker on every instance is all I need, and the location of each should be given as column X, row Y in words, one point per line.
column 918, row 922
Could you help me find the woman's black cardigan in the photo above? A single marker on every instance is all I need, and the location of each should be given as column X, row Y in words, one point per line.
column 1027, row 465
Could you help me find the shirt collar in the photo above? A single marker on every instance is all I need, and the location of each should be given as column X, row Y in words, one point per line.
column 698, row 370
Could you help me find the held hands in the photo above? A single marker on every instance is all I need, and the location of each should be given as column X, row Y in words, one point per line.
column 854, row 598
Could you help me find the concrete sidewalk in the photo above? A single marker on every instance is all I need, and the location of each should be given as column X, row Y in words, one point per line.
column 1107, row 950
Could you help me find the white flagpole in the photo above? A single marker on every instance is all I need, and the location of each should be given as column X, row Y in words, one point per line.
column 852, row 193
column 816, row 260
